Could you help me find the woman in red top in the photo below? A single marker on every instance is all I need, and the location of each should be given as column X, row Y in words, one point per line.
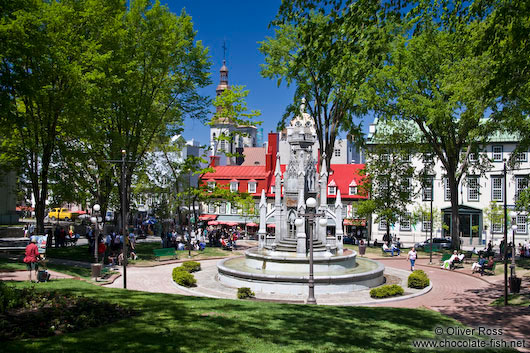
column 31, row 258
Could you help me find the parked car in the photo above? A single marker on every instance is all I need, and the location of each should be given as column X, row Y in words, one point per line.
column 62, row 214
column 442, row 243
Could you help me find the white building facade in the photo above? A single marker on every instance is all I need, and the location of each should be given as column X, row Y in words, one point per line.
column 476, row 192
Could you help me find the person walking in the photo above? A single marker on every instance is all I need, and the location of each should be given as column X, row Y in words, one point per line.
column 412, row 256
column 31, row 258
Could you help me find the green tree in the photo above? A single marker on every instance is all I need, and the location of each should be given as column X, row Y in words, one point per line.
column 327, row 49
column 231, row 107
column 47, row 56
column 390, row 176
column 145, row 85
column 434, row 79
column 422, row 212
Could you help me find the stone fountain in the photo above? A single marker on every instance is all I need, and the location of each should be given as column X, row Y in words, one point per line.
column 280, row 263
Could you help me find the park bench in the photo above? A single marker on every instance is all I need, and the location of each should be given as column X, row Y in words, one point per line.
column 388, row 253
column 435, row 248
column 454, row 265
column 165, row 252
column 488, row 270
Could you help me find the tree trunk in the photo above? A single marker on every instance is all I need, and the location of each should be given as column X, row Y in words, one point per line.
column 455, row 219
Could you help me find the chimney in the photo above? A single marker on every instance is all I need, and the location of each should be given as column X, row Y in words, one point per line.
column 272, row 149
column 214, row 161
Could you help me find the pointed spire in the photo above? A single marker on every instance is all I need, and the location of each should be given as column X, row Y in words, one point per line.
column 278, row 169
column 338, row 201
column 263, row 200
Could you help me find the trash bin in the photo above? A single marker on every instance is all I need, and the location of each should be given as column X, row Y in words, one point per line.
column 515, row 284
column 362, row 249
column 96, row 270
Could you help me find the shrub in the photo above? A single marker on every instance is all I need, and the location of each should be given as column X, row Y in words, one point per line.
column 183, row 277
column 244, row 293
column 418, row 279
column 191, row 266
column 8, row 297
column 386, row 291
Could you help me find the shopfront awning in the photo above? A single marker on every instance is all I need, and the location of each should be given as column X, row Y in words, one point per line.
column 207, row 217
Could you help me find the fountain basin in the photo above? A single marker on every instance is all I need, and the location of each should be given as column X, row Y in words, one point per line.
column 290, row 274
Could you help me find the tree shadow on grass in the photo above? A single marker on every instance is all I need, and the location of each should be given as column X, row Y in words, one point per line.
column 173, row 323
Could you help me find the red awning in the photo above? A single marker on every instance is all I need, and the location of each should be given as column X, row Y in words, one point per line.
column 355, row 222
column 231, row 224
column 271, row 225
column 213, row 223
column 207, row 217
column 252, row 224
column 81, row 212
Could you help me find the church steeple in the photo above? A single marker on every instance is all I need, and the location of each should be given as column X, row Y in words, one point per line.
column 223, row 82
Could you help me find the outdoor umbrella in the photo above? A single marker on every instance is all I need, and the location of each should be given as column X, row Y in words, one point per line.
column 252, row 224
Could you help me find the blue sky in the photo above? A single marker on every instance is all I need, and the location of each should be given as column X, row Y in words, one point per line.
column 242, row 24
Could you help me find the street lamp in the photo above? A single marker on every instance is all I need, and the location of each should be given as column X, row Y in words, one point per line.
column 513, row 216
column 96, row 267
column 311, row 203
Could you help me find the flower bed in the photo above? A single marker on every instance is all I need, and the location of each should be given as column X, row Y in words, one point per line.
column 27, row 313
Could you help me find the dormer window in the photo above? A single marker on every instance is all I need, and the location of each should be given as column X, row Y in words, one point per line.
column 273, row 190
column 211, row 185
column 252, row 187
column 234, row 186
column 332, row 188
column 353, row 188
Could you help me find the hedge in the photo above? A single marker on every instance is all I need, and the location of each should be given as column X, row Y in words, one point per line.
column 191, row 266
column 183, row 277
column 388, row 290
column 418, row 279
column 244, row 292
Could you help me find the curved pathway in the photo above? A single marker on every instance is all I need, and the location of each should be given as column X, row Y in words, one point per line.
column 457, row 294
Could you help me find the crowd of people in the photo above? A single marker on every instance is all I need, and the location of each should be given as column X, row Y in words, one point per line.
column 197, row 240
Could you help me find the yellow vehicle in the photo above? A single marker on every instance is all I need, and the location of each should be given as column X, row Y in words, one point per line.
column 62, row 214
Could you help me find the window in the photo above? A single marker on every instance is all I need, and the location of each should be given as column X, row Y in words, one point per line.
column 233, row 208
column 337, row 152
column 223, row 145
column 521, row 157
column 497, row 153
column 428, row 157
column 405, row 157
column 332, row 190
column 521, row 224
column 404, row 222
column 211, row 185
column 406, row 187
column 521, row 183
column 447, row 190
column 211, row 208
column 353, row 190
column 234, row 185
column 382, row 223
column 496, row 189
column 252, row 187
column 222, row 208
column 426, row 223
column 496, row 228
column 427, row 188
column 273, row 190
column 473, row 157
column 384, row 157
column 473, row 186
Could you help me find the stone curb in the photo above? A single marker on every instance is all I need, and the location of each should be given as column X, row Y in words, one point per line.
column 389, row 300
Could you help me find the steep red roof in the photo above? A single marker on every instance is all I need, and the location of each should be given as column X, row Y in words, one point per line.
column 342, row 176
column 237, row 172
column 254, row 156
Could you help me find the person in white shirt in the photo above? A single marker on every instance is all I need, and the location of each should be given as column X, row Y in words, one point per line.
column 412, row 256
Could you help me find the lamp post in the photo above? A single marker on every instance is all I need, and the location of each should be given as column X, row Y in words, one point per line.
column 311, row 203
column 96, row 267
column 505, row 239
column 513, row 216
column 432, row 194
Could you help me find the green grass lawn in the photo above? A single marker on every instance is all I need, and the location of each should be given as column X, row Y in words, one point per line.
column 513, row 299
column 144, row 251
column 173, row 323
column 76, row 271
column 522, row 266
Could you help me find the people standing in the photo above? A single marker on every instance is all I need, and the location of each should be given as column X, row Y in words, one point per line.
column 412, row 256
column 31, row 258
